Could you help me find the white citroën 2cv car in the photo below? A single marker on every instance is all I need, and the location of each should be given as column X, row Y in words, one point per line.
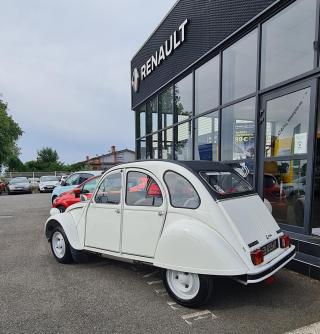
column 195, row 220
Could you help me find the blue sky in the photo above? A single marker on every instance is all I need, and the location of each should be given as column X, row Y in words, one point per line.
column 65, row 71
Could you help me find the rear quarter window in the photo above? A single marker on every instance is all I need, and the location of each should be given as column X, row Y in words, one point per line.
column 181, row 191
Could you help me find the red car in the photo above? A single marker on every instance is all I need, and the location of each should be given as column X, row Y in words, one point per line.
column 73, row 196
column 3, row 187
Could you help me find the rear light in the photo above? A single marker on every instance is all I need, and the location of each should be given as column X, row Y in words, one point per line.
column 257, row 256
column 284, row 241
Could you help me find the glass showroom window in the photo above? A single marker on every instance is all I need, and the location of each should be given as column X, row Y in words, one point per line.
column 207, row 137
column 143, row 153
column 240, row 68
column 238, row 131
column 207, row 86
column 167, row 144
column 183, row 147
column 287, row 124
column 152, row 116
column 166, row 107
column 155, row 149
column 284, row 187
column 183, row 98
column 287, row 43
column 141, row 121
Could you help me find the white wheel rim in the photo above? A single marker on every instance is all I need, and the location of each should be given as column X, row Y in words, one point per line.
column 184, row 285
column 58, row 244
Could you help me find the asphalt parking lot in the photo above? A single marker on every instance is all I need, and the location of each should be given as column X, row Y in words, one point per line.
column 39, row 295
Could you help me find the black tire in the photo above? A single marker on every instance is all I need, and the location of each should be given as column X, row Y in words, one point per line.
column 61, row 208
column 203, row 296
column 53, row 198
column 67, row 256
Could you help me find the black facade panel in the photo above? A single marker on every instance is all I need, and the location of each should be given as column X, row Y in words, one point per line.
column 211, row 21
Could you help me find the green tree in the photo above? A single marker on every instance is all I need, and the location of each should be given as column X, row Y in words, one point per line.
column 47, row 155
column 15, row 164
column 10, row 131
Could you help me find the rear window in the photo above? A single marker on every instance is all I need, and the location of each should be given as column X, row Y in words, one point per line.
column 226, row 183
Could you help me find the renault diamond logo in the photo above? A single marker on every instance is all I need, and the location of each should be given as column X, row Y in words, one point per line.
column 135, row 80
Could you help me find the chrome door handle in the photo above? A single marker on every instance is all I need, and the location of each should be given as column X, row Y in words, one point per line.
column 160, row 213
column 117, row 210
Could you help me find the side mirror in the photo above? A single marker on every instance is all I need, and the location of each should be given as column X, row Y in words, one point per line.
column 77, row 192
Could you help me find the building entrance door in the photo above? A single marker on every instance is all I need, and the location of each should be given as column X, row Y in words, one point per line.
column 286, row 143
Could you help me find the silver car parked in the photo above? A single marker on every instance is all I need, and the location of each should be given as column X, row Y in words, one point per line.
column 19, row 185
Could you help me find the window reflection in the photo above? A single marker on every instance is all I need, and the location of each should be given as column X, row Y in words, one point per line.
column 183, row 98
column 143, row 155
column 141, row 114
column 240, row 68
column 155, row 150
column 167, row 144
column 207, row 86
column 207, row 137
column 183, row 149
column 287, row 124
column 238, row 131
column 284, row 188
column 166, row 107
column 152, row 116
column 287, row 43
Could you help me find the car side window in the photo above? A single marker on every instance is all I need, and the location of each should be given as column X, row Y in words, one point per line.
column 142, row 190
column 182, row 193
column 83, row 177
column 72, row 180
column 90, row 186
column 109, row 191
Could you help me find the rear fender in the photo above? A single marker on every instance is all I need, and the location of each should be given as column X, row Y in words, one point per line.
column 66, row 221
column 190, row 245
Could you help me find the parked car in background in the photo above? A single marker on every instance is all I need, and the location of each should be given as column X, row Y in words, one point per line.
column 63, row 201
column 3, row 186
column 47, row 183
column 63, row 178
column 19, row 185
column 72, row 181
column 34, row 181
column 194, row 219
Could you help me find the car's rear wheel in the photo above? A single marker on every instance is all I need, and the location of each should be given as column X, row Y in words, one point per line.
column 60, row 246
column 190, row 290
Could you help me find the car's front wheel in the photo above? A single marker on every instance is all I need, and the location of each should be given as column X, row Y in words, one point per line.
column 61, row 208
column 60, row 246
column 53, row 198
column 190, row 290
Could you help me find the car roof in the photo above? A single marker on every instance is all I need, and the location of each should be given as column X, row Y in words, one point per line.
column 195, row 166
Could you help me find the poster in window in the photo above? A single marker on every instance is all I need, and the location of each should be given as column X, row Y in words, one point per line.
column 244, row 139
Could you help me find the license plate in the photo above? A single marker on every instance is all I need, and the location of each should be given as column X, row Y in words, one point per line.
column 270, row 247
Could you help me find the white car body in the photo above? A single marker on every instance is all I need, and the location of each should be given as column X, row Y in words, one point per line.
column 216, row 238
column 48, row 183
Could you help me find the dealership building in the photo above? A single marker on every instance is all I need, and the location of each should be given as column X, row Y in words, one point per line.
column 237, row 81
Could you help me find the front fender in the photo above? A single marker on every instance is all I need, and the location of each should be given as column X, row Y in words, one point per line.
column 192, row 246
column 66, row 221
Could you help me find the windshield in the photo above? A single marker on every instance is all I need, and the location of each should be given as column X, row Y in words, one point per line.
column 19, row 180
column 48, row 178
column 226, row 183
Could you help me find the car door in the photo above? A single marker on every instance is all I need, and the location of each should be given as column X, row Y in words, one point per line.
column 144, row 213
column 103, row 218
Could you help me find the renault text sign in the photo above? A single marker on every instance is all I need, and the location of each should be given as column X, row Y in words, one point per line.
column 173, row 42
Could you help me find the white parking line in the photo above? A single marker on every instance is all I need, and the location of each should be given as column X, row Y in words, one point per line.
column 172, row 305
column 189, row 318
column 154, row 282
column 6, row 217
column 160, row 291
column 311, row 329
